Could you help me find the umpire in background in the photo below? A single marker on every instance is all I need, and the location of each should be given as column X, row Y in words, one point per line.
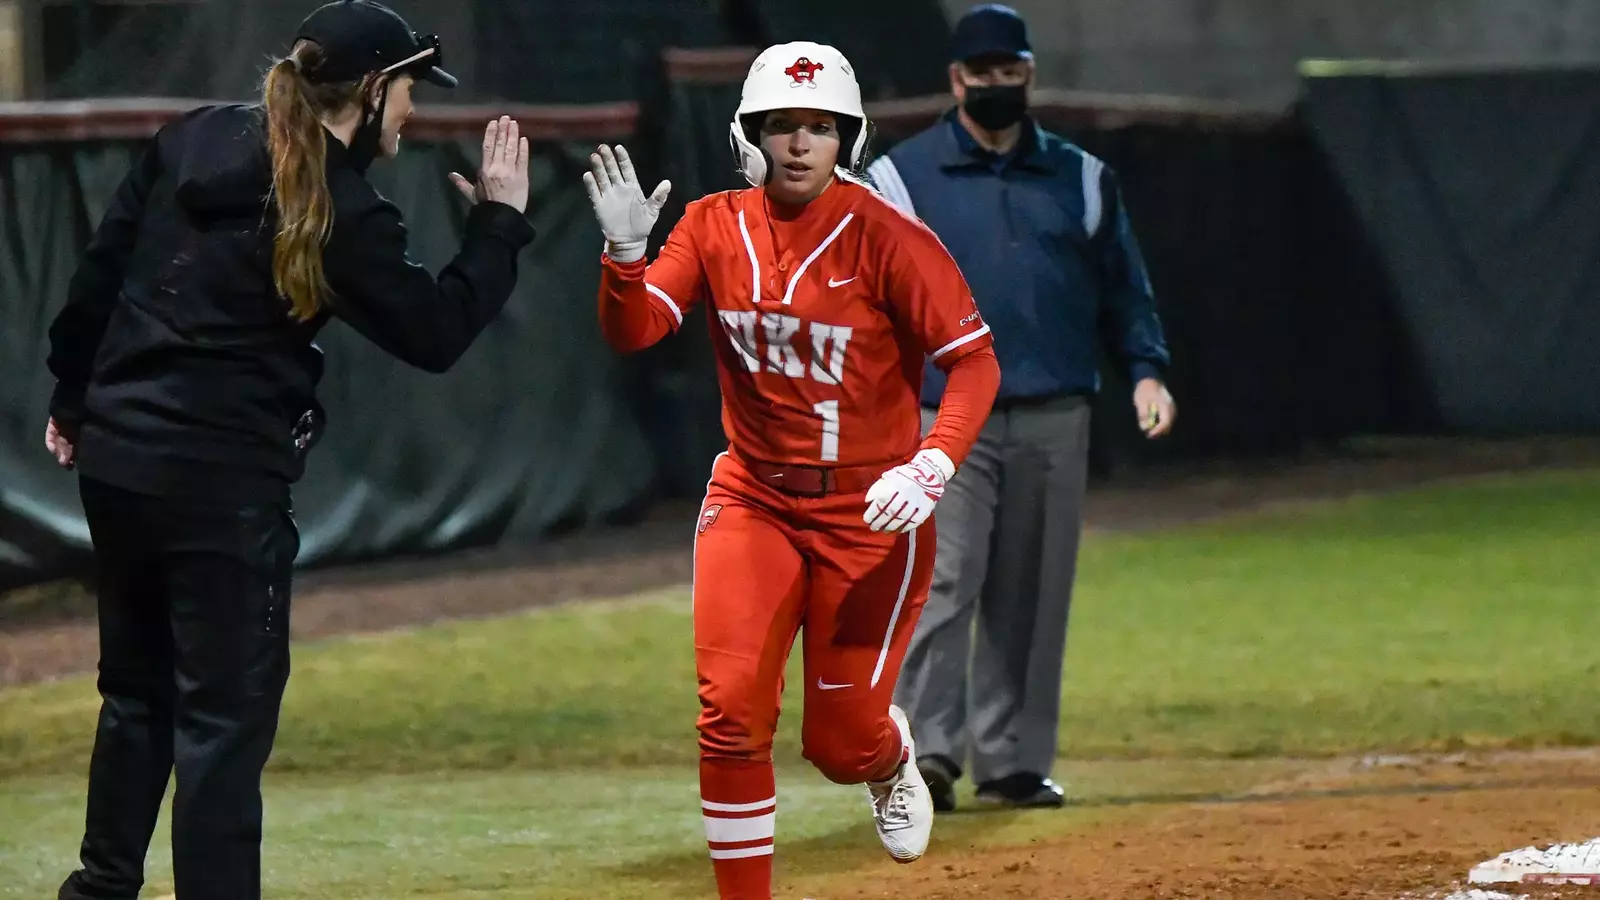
column 185, row 398
column 1039, row 230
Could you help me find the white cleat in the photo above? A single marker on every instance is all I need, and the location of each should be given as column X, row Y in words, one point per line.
column 902, row 809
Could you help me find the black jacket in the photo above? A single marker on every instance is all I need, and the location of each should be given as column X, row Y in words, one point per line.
column 176, row 359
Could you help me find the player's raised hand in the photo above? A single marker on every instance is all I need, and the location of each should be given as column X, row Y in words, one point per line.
column 905, row 495
column 625, row 214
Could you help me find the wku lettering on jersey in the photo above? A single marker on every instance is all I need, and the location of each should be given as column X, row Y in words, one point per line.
column 772, row 342
column 828, row 314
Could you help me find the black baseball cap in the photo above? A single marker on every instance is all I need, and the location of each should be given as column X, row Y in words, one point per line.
column 992, row 29
column 360, row 37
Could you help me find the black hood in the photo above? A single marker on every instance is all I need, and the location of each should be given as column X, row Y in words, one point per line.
column 225, row 170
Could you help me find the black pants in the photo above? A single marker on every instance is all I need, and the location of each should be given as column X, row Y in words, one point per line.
column 194, row 657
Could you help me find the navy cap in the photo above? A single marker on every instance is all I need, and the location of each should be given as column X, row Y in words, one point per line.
column 992, row 29
column 360, row 37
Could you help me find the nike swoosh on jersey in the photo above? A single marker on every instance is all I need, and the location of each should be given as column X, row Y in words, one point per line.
column 832, row 283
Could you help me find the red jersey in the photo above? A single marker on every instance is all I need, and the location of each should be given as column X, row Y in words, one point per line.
column 822, row 318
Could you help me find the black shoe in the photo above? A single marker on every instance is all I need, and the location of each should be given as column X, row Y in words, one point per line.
column 71, row 889
column 1024, row 790
column 941, row 775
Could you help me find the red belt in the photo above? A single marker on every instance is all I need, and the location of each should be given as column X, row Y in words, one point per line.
column 813, row 481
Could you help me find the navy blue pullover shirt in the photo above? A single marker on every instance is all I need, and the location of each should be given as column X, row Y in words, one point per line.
column 1044, row 241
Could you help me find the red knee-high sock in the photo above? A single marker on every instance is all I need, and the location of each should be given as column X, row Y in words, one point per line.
column 738, row 800
column 891, row 756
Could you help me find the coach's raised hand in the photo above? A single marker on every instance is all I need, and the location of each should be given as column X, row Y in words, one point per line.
column 625, row 214
column 504, row 177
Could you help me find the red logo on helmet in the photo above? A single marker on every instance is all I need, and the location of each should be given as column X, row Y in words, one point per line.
column 804, row 71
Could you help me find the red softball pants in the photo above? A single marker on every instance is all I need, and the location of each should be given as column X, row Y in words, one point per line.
column 768, row 566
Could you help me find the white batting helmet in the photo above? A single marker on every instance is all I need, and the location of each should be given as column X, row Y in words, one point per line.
column 797, row 75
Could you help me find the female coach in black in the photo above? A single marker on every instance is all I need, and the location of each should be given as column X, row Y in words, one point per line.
column 185, row 399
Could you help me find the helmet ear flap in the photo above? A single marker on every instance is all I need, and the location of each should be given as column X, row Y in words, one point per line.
column 750, row 159
column 863, row 139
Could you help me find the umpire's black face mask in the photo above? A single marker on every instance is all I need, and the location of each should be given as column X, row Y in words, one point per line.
column 994, row 90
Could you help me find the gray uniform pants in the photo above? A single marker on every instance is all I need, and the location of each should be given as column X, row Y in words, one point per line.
column 1008, row 529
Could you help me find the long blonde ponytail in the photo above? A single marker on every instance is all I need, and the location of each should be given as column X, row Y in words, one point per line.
column 297, row 143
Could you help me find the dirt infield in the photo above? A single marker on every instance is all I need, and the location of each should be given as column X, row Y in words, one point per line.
column 1388, row 830
column 48, row 632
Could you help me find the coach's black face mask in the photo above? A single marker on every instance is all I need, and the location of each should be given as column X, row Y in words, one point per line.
column 996, row 107
column 366, row 145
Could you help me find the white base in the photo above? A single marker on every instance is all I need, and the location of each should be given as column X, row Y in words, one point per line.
column 1556, row 864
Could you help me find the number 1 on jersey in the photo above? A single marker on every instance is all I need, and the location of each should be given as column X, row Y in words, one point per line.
column 829, row 411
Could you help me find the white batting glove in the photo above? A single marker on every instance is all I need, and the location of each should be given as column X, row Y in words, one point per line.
column 905, row 495
column 625, row 214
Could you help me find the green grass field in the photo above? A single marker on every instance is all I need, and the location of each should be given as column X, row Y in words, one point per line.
column 551, row 754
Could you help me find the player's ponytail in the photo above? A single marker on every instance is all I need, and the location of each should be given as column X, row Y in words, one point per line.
column 297, row 143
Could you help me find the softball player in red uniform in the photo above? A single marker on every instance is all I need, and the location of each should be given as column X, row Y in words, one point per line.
column 825, row 300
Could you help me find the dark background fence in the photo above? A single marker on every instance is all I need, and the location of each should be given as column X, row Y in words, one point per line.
column 1395, row 255
column 530, row 51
